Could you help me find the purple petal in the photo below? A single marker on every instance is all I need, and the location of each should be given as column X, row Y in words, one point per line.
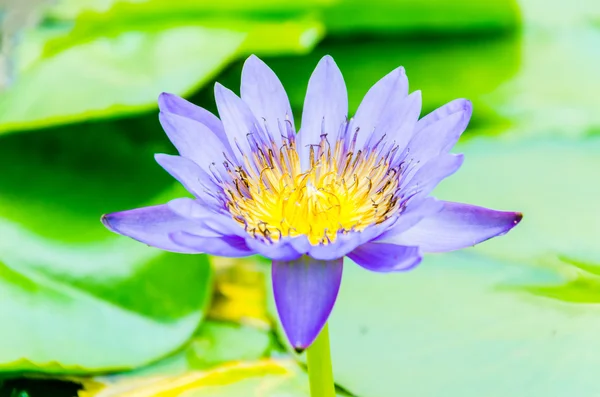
column 277, row 251
column 325, row 107
column 458, row 226
column 305, row 291
column 210, row 218
column 346, row 243
column 431, row 174
column 398, row 124
column 381, row 99
column 301, row 244
column 190, row 209
column 227, row 246
column 457, row 105
column 414, row 213
column 386, row 257
column 266, row 97
column 170, row 103
column 152, row 226
column 190, row 175
column 193, row 140
column 238, row 120
column 438, row 132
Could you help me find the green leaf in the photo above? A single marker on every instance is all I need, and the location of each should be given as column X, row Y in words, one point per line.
column 342, row 17
column 112, row 76
column 267, row 378
column 429, row 17
column 71, row 9
column 538, row 101
column 297, row 36
column 72, row 175
column 549, row 180
column 276, row 30
column 218, row 343
column 77, row 298
column 453, row 327
column 215, row 343
column 51, row 324
column 117, row 60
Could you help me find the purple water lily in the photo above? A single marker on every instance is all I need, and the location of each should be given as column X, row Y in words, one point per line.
column 357, row 187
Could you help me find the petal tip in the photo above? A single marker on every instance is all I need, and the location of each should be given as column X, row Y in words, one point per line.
column 518, row 218
column 165, row 101
column 253, row 59
column 416, row 96
column 165, row 160
column 223, row 93
column 327, row 58
column 400, row 70
column 219, row 87
column 301, row 344
column 513, row 220
column 327, row 63
column 106, row 220
column 467, row 106
column 253, row 71
column 250, row 66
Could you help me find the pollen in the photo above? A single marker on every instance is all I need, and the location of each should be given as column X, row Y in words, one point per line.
column 342, row 190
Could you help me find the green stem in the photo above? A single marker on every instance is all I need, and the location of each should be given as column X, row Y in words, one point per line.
column 320, row 372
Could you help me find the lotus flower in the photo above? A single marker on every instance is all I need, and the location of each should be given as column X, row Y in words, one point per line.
column 357, row 187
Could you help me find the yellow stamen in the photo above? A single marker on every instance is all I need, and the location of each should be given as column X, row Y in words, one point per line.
column 341, row 192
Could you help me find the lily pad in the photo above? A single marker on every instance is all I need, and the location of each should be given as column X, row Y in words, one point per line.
column 52, row 325
column 452, row 327
column 549, row 180
column 71, row 9
column 267, row 378
column 77, row 297
column 215, row 343
column 286, row 29
column 429, row 17
column 115, row 60
column 541, row 102
column 110, row 76
column 218, row 343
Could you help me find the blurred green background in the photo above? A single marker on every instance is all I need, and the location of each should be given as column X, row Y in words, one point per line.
column 87, row 313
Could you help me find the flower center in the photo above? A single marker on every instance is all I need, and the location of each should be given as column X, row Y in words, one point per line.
column 342, row 191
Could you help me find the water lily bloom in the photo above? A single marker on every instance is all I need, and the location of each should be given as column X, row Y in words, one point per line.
column 357, row 187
